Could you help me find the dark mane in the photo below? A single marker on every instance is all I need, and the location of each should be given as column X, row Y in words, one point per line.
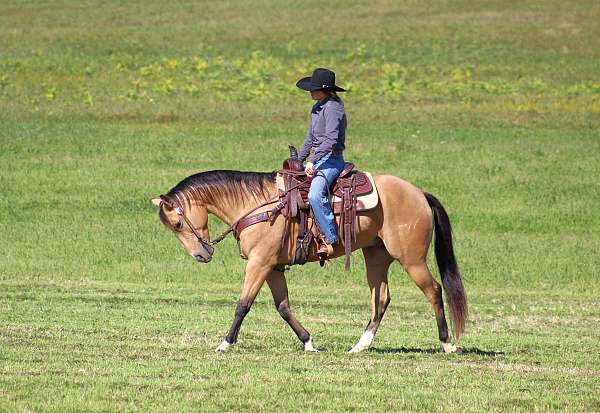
column 214, row 185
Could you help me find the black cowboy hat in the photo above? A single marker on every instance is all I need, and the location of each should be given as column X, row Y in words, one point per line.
column 321, row 79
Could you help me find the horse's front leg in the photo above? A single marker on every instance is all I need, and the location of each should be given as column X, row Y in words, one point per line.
column 256, row 274
column 278, row 286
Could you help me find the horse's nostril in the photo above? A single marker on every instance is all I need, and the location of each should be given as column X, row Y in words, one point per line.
column 200, row 258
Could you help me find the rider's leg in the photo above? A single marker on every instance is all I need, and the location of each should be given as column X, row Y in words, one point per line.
column 325, row 175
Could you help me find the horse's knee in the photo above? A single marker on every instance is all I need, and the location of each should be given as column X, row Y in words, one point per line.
column 284, row 311
column 242, row 309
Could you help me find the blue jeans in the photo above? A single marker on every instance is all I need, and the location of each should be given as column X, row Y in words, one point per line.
column 326, row 171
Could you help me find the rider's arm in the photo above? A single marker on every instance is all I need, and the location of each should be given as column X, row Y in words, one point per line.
column 308, row 140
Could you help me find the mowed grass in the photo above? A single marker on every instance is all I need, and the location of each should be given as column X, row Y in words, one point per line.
column 87, row 345
column 493, row 107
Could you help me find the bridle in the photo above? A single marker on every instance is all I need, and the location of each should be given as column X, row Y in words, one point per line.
column 207, row 244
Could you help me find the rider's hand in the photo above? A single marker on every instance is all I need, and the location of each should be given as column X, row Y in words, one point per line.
column 309, row 168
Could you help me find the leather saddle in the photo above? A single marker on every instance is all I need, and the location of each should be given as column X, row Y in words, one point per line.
column 358, row 180
column 294, row 204
column 347, row 195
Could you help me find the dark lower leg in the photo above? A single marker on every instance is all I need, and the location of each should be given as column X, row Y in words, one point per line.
column 255, row 277
column 378, row 311
column 440, row 317
column 286, row 314
column 240, row 312
column 381, row 300
column 278, row 286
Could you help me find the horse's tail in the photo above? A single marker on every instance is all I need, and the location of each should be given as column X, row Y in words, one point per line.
column 444, row 255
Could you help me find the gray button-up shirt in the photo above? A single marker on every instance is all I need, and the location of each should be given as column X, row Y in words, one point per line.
column 326, row 132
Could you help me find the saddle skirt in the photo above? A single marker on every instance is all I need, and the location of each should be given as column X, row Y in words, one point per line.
column 366, row 193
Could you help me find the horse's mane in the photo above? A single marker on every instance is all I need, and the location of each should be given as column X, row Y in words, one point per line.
column 212, row 186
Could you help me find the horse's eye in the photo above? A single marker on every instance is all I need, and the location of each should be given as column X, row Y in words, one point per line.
column 178, row 226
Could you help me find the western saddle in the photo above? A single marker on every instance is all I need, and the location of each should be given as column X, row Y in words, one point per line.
column 294, row 206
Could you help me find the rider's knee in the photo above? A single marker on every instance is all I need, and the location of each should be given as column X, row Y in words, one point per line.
column 314, row 197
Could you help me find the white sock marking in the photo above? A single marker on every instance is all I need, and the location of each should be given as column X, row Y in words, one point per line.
column 223, row 346
column 365, row 341
column 308, row 346
column 449, row 347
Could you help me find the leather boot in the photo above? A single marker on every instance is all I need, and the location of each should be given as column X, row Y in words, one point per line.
column 324, row 251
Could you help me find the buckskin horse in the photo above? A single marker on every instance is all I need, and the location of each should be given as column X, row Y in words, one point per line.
column 400, row 228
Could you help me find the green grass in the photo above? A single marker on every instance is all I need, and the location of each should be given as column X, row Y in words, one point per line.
column 494, row 107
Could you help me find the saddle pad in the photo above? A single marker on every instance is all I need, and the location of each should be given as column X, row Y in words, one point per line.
column 364, row 202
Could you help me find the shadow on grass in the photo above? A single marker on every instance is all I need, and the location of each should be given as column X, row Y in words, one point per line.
column 407, row 350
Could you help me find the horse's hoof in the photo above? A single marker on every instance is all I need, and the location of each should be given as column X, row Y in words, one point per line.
column 364, row 343
column 450, row 348
column 223, row 347
column 358, row 349
column 308, row 347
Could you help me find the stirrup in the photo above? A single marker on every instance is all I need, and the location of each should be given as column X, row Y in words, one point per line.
column 324, row 251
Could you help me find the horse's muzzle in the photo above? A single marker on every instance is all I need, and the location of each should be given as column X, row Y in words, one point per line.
column 200, row 258
column 204, row 254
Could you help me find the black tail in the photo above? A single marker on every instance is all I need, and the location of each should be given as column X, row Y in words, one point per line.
column 444, row 255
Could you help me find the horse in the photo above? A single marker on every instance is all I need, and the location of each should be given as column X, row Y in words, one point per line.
column 400, row 228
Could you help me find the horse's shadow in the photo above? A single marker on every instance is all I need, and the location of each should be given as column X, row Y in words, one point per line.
column 408, row 350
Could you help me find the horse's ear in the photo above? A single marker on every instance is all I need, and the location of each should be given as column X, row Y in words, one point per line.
column 166, row 202
column 156, row 202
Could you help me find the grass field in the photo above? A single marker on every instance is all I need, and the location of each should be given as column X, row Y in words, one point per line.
column 494, row 107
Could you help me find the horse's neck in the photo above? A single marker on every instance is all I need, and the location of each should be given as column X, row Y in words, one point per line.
column 230, row 211
column 227, row 215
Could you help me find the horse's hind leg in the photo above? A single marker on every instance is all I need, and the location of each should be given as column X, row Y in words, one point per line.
column 278, row 286
column 433, row 291
column 378, row 261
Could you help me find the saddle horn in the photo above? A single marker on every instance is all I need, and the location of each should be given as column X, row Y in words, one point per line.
column 293, row 151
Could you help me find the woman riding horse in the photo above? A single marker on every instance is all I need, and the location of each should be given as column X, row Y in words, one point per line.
column 325, row 143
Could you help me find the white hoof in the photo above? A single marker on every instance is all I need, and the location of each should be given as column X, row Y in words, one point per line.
column 223, row 347
column 308, row 346
column 449, row 348
column 364, row 343
column 358, row 349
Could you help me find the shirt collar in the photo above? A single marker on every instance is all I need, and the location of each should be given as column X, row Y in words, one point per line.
column 318, row 106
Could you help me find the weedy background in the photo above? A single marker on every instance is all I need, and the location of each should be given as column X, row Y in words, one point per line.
column 493, row 106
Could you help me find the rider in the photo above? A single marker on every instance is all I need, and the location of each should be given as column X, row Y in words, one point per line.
column 325, row 143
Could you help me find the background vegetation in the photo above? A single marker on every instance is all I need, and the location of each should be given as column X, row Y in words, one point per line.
column 492, row 106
